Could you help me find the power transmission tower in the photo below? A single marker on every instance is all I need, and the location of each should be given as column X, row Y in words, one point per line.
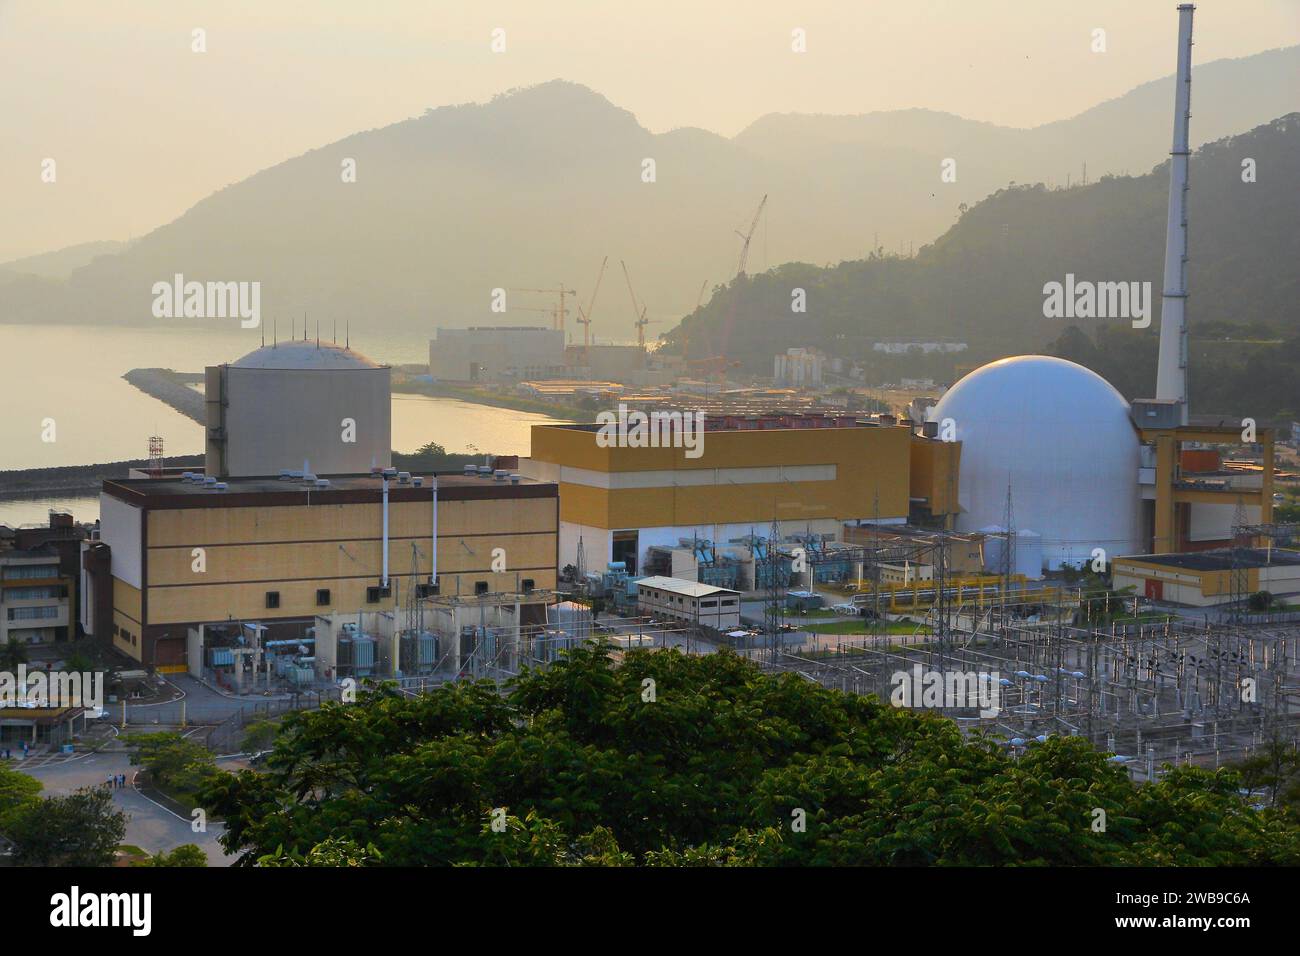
column 774, row 608
column 1240, row 583
column 580, row 570
column 1008, row 563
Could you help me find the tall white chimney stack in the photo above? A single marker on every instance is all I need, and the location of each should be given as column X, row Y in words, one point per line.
column 1171, row 372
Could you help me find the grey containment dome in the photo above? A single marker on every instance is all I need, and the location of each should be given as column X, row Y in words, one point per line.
column 298, row 401
column 304, row 355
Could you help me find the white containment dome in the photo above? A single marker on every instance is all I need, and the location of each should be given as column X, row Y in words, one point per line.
column 1061, row 436
column 298, row 401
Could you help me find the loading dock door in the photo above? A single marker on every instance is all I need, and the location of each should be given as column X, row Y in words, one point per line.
column 1155, row 590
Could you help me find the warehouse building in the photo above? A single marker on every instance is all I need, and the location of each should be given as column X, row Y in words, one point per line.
column 811, row 473
column 673, row 599
column 497, row 354
column 179, row 553
column 1204, row 578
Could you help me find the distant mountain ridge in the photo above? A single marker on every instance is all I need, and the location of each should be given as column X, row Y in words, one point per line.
column 534, row 187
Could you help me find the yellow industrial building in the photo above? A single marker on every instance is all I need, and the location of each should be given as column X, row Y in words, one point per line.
column 1205, row 578
column 282, row 551
column 809, row 473
column 1193, row 506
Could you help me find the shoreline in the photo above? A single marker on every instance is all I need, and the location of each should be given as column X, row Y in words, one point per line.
column 470, row 396
column 172, row 388
column 75, row 480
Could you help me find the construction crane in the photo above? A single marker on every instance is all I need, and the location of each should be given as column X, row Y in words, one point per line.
column 730, row 321
column 745, row 237
column 637, row 309
column 584, row 318
column 559, row 312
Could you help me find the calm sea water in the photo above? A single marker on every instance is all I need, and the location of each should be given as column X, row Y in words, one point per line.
column 65, row 383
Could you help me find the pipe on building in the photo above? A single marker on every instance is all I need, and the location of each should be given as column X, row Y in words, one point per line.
column 385, row 483
column 433, row 544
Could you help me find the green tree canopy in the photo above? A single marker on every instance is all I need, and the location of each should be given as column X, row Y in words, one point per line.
column 581, row 764
column 80, row 829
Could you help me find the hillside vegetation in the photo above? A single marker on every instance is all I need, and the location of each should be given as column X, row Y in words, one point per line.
column 982, row 281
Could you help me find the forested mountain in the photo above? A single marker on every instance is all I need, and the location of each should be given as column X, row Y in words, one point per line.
column 982, row 281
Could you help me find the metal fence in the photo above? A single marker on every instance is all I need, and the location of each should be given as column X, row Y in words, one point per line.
column 227, row 737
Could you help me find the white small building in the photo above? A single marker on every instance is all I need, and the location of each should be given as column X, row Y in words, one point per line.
column 675, row 599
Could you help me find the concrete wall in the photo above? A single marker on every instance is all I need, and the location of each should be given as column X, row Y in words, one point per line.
column 277, row 418
column 296, row 551
column 120, row 528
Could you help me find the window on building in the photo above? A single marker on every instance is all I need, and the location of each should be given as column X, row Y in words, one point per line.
column 322, row 597
column 528, row 585
column 708, row 604
column 19, row 572
column 272, row 599
column 32, row 613
column 480, row 587
column 35, row 594
column 375, row 594
column 729, row 602
column 426, row 590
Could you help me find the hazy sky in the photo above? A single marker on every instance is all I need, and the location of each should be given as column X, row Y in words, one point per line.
column 141, row 127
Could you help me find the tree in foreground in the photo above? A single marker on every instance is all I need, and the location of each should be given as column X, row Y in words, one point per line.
column 664, row 759
column 80, row 829
column 187, row 854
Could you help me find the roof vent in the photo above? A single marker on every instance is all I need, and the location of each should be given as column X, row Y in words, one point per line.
column 220, row 486
column 403, row 476
column 308, row 477
column 514, row 479
column 417, row 481
column 470, row 471
column 286, row 474
column 322, row 482
column 209, row 481
column 390, row 472
column 484, row 471
column 500, row 474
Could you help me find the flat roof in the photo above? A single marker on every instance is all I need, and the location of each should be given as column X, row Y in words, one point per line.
column 793, row 422
column 168, row 493
column 1219, row 560
column 682, row 586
